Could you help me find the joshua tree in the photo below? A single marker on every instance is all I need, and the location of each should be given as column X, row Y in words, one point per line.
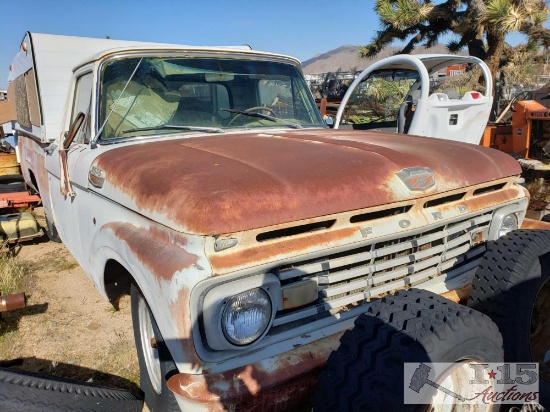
column 478, row 25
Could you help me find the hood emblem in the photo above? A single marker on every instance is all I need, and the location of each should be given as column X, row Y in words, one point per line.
column 417, row 178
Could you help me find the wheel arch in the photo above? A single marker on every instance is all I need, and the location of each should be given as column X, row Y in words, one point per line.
column 117, row 280
column 115, row 263
column 33, row 181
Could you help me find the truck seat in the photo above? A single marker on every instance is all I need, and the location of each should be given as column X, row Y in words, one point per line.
column 194, row 112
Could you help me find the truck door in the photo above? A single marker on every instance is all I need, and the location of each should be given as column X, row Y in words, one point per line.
column 66, row 206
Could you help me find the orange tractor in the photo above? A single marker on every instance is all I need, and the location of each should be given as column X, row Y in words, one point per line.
column 527, row 138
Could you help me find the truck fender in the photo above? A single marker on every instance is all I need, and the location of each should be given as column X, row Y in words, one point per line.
column 165, row 265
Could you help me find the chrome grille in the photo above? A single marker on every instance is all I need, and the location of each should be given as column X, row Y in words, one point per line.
column 356, row 275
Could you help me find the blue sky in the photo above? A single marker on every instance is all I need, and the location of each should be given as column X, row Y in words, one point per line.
column 300, row 28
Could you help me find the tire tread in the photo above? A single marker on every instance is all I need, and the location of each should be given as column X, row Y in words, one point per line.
column 411, row 320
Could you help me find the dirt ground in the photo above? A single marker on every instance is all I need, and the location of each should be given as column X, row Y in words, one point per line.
column 67, row 328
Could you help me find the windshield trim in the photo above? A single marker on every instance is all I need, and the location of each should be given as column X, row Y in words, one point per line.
column 182, row 134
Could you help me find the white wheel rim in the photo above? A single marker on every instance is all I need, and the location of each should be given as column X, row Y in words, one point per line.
column 456, row 379
column 150, row 353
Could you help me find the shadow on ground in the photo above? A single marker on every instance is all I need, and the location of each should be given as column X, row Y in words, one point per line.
column 70, row 371
column 9, row 321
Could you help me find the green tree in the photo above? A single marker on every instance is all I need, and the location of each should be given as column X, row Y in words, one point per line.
column 524, row 68
column 376, row 100
column 480, row 26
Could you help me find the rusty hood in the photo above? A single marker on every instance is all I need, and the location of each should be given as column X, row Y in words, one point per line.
column 233, row 182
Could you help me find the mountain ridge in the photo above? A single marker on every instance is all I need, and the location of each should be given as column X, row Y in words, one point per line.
column 345, row 58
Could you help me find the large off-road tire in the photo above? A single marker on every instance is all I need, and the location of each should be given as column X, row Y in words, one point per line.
column 31, row 392
column 155, row 363
column 367, row 370
column 512, row 286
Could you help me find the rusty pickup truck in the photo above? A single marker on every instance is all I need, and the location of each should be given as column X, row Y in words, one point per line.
column 204, row 182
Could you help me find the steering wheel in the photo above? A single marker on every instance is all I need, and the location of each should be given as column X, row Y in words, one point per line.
column 267, row 109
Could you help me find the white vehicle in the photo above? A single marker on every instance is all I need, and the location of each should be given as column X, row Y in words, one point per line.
column 204, row 182
column 421, row 98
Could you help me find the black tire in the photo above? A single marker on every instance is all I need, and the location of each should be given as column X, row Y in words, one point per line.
column 31, row 392
column 12, row 183
column 165, row 401
column 367, row 370
column 506, row 285
column 51, row 231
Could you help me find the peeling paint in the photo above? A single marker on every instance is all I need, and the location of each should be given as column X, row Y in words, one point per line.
column 180, row 314
column 272, row 384
column 160, row 251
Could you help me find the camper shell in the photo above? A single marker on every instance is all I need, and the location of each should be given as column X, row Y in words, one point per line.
column 41, row 73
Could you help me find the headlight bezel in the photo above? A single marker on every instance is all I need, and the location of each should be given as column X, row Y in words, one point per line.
column 517, row 209
column 216, row 300
column 512, row 225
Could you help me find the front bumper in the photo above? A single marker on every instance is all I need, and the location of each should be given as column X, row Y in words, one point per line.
column 275, row 383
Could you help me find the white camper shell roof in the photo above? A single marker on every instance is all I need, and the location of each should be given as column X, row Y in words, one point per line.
column 54, row 58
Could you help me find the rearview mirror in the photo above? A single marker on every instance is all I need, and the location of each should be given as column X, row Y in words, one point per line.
column 73, row 130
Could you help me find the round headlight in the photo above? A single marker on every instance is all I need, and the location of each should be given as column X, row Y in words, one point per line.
column 509, row 223
column 246, row 316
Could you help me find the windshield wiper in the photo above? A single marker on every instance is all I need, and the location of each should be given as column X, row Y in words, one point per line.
column 176, row 127
column 264, row 116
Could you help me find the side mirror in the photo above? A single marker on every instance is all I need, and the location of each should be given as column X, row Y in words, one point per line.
column 65, row 188
column 73, row 130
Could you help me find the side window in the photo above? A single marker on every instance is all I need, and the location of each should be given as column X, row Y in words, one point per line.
column 81, row 103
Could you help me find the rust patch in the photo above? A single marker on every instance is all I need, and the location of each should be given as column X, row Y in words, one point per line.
column 32, row 159
column 223, row 184
column 180, row 314
column 289, row 380
column 535, row 224
column 488, row 200
column 160, row 250
column 287, row 246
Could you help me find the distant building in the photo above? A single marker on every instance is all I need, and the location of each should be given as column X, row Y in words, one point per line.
column 455, row 70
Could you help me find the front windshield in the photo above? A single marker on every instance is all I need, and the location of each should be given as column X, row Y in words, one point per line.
column 202, row 94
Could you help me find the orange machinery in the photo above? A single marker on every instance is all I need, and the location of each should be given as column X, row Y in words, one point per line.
column 525, row 137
